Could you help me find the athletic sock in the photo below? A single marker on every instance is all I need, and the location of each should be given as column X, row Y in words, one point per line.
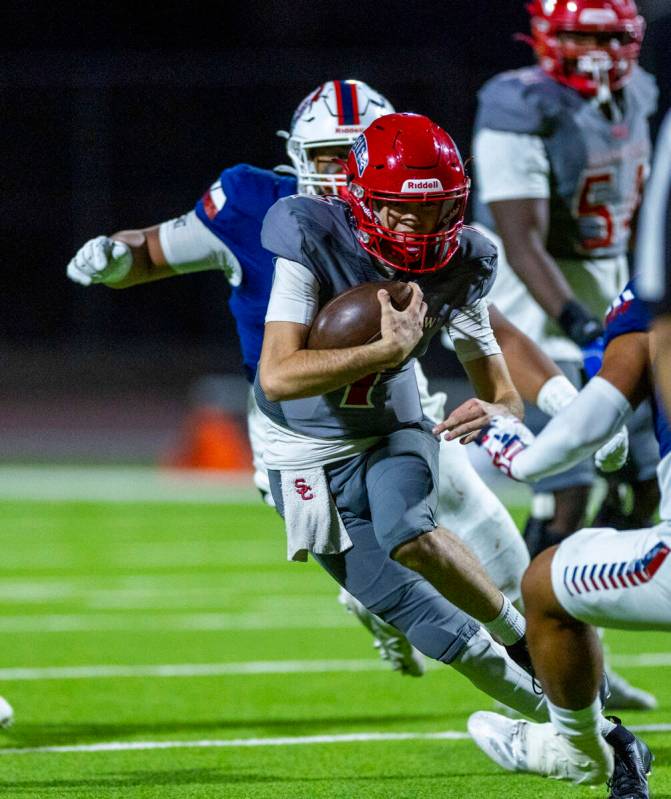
column 584, row 728
column 509, row 626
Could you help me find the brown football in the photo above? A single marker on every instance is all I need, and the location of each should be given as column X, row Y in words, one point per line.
column 353, row 317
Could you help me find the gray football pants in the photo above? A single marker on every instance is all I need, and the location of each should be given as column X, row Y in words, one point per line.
column 388, row 493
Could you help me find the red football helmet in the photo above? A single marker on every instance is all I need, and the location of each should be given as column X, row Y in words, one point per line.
column 407, row 158
column 587, row 67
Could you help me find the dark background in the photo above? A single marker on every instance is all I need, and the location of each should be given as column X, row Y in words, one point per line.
column 118, row 117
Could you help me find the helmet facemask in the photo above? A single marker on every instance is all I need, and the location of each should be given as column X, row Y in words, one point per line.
column 408, row 250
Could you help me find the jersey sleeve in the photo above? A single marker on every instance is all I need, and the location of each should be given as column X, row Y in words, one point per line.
column 471, row 332
column 514, row 102
column 644, row 89
column 628, row 314
column 188, row 246
column 295, row 294
column 510, row 166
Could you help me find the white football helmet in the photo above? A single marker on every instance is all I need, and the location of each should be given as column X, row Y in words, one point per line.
column 331, row 116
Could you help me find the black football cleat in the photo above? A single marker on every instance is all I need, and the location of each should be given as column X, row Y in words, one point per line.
column 633, row 762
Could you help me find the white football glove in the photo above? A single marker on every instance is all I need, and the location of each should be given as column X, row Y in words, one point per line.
column 613, row 454
column 503, row 439
column 101, row 260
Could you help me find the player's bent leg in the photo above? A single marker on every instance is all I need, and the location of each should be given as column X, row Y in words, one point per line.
column 475, row 514
column 392, row 645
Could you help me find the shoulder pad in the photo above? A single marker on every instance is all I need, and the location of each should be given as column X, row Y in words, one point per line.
column 643, row 87
column 243, row 182
column 480, row 257
column 296, row 222
column 627, row 314
column 470, row 275
column 520, row 101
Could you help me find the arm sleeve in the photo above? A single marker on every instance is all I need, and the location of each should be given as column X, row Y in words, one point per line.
column 189, row 246
column 471, row 332
column 510, row 166
column 295, row 294
column 597, row 413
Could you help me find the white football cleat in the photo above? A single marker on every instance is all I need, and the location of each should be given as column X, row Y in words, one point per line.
column 392, row 645
column 6, row 714
column 540, row 749
column 625, row 696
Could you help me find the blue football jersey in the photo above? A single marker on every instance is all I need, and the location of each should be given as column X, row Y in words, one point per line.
column 629, row 314
column 233, row 209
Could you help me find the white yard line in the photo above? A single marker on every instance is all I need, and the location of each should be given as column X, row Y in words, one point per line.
column 129, row 622
column 124, row 484
column 644, row 660
column 190, row 669
column 306, row 740
column 240, row 743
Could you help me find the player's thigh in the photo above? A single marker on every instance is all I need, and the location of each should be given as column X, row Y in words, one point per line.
column 613, row 578
column 402, row 486
column 581, row 474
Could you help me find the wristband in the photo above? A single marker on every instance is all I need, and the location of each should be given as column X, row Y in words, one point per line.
column 555, row 394
column 578, row 324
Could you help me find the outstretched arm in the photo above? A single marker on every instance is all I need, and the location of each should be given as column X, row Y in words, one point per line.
column 596, row 415
column 130, row 257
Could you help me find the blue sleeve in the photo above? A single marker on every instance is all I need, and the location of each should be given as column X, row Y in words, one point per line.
column 628, row 314
column 517, row 102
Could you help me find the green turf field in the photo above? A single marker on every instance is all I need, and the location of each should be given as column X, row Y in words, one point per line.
column 168, row 650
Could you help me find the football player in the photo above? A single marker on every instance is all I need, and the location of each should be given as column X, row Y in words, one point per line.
column 349, row 448
column 223, row 232
column 596, row 576
column 561, row 153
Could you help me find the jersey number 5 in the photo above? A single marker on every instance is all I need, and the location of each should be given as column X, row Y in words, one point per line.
column 357, row 395
column 600, row 184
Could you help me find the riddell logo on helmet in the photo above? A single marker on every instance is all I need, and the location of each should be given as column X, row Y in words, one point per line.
column 351, row 129
column 431, row 184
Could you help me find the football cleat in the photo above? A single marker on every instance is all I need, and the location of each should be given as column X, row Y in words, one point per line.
column 6, row 714
column 633, row 762
column 391, row 644
column 540, row 749
column 625, row 696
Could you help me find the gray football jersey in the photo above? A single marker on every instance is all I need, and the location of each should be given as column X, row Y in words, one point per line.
column 597, row 167
column 318, row 233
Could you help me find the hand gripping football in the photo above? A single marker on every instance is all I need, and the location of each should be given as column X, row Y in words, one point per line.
column 353, row 317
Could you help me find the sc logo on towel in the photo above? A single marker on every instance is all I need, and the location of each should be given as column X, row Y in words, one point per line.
column 303, row 489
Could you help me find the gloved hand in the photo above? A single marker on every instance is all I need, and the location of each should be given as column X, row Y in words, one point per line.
column 503, row 440
column 613, row 454
column 100, row 260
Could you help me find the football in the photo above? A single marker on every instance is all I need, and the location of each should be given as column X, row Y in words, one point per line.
column 353, row 317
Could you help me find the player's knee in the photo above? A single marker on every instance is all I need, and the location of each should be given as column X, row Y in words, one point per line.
column 415, row 553
column 537, row 583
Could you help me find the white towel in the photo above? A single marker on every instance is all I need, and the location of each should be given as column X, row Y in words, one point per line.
column 311, row 518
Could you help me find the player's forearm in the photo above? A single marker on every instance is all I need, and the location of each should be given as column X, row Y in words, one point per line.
column 662, row 357
column 148, row 263
column 310, row 373
column 596, row 415
column 538, row 270
column 530, row 368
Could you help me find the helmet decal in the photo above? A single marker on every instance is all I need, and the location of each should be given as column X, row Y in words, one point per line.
column 360, row 153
